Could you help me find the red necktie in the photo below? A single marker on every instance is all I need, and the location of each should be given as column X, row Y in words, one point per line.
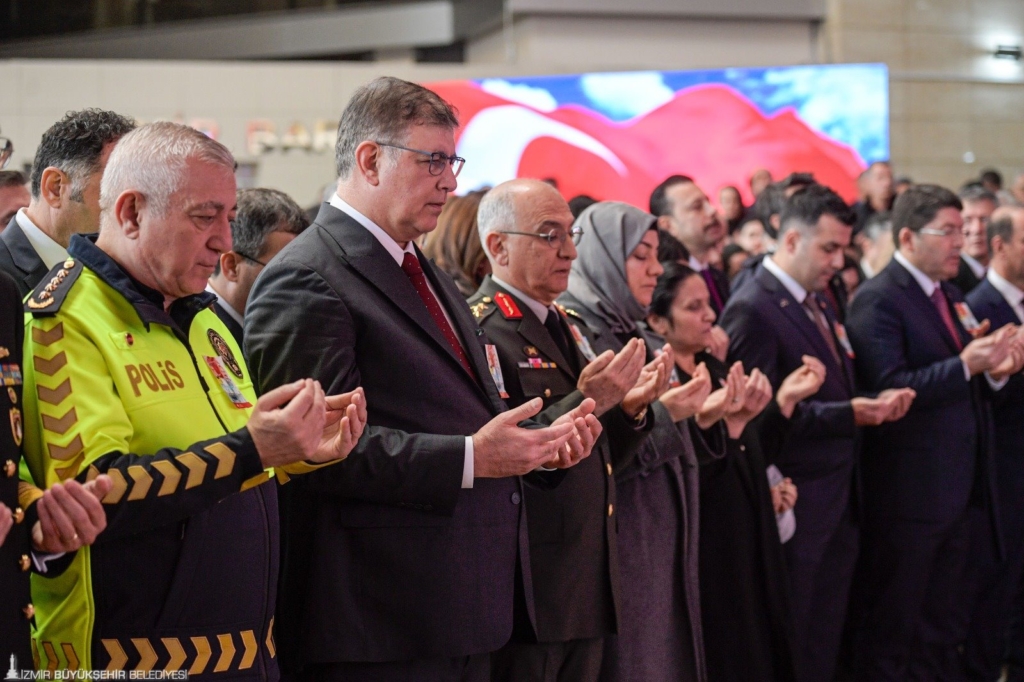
column 712, row 289
column 814, row 308
column 939, row 299
column 411, row 267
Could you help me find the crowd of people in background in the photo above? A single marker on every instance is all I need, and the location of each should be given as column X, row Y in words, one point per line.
column 505, row 434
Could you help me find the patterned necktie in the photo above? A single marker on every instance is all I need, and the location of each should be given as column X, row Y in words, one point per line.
column 814, row 308
column 411, row 267
column 939, row 299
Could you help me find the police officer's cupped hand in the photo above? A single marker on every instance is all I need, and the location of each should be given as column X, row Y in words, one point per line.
column 503, row 448
column 287, row 424
column 70, row 515
column 609, row 376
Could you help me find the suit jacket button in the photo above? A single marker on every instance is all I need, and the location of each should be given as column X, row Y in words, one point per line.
column 29, row 611
column 24, row 563
column 10, row 469
column 516, row 499
column 19, row 515
column 611, row 509
column 547, row 392
column 608, row 468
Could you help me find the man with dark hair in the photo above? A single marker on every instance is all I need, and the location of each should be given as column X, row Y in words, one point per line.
column 773, row 322
column 928, row 476
column 878, row 193
column 13, row 195
column 684, row 211
column 991, row 179
column 266, row 221
column 998, row 299
column 409, row 560
column 979, row 204
column 65, row 193
column 579, row 203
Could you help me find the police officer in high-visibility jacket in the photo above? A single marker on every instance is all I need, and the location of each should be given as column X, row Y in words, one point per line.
column 129, row 373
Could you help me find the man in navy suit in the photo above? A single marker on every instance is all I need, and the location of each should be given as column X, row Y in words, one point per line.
column 927, row 475
column 999, row 298
column 773, row 321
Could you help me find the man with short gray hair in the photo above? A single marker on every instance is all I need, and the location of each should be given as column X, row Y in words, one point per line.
column 133, row 376
column 267, row 220
column 65, row 188
column 979, row 204
column 405, row 562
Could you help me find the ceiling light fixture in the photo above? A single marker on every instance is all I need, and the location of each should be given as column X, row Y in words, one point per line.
column 1008, row 52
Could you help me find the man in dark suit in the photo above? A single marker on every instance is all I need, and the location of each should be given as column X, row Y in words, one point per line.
column 773, row 322
column 979, row 205
column 265, row 222
column 684, row 211
column 526, row 228
column 927, row 475
column 999, row 298
column 65, row 187
column 405, row 561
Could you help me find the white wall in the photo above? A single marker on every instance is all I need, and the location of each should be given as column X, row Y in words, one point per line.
column 35, row 93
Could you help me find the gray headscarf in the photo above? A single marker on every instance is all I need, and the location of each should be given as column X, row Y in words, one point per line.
column 611, row 231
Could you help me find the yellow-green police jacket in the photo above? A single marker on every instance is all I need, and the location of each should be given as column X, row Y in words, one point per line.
column 184, row 576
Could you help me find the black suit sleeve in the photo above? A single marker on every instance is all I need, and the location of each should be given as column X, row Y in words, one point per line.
column 297, row 326
column 753, row 341
column 877, row 333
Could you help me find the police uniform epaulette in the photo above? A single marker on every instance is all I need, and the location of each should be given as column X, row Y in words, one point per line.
column 482, row 308
column 50, row 293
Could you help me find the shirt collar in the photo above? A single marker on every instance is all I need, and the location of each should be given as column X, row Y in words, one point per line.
column 386, row 240
column 866, row 268
column 147, row 302
column 1010, row 292
column 49, row 251
column 228, row 308
column 792, row 286
column 927, row 284
column 696, row 264
column 538, row 308
column 977, row 268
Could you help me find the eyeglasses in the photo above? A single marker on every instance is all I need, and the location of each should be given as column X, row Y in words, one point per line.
column 437, row 159
column 941, row 233
column 248, row 257
column 556, row 237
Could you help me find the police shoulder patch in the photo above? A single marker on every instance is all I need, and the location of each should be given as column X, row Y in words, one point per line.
column 48, row 296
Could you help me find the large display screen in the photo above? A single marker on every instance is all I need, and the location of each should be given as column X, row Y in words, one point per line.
column 615, row 136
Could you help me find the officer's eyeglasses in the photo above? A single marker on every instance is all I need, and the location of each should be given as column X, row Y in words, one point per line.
column 555, row 237
column 248, row 257
column 438, row 160
column 946, row 234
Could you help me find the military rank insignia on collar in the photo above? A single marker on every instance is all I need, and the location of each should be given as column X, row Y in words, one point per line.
column 48, row 296
column 507, row 305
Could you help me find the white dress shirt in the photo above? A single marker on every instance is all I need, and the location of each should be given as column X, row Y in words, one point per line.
column 928, row 286
column 398, row 253
column 49, row 251
column 1013, row 295
column 977, row 268
column 232, row 313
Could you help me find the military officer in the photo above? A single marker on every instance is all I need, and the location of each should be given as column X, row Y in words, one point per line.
column 541, row 350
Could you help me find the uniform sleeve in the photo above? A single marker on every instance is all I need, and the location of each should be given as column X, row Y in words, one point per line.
column 76, row 428
column 316, row 337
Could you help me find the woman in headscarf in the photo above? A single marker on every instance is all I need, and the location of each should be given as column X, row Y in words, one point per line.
column 610, row 286
column 744, row 589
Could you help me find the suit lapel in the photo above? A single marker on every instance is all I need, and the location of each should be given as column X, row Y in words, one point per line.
column 796, row 314
column 370, row 259
column 24, row 256
column 923, row 304
column 847, row 363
